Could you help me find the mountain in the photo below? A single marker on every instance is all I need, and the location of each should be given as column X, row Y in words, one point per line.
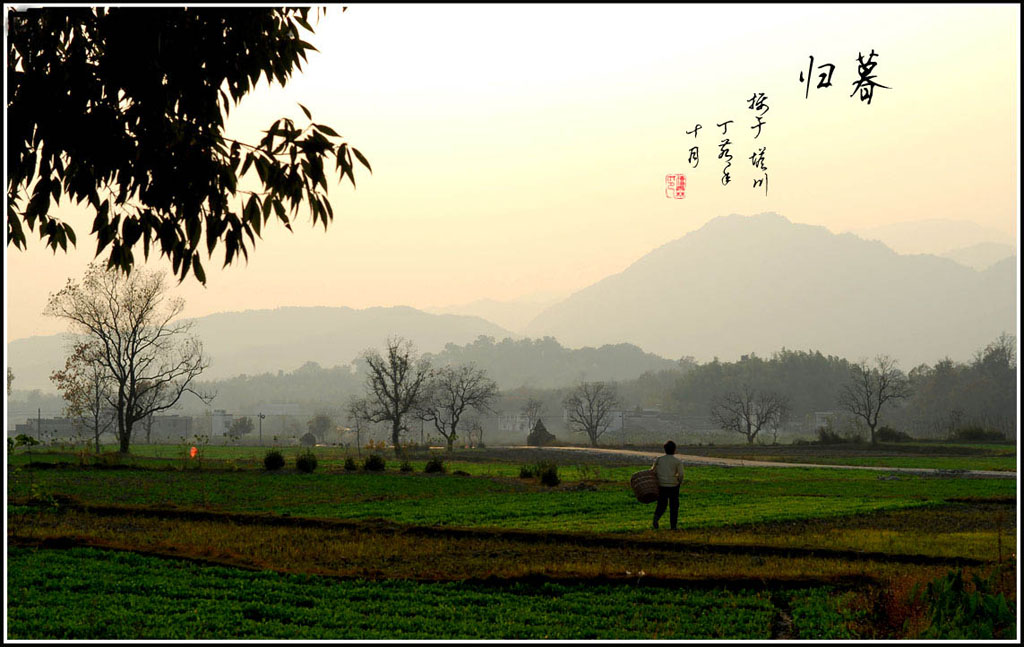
column 257, row 341
column 980, row 256
column 932, row 236
column 512, row 315
column 740, row 284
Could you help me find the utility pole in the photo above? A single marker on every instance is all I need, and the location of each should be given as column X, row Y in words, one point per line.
column 261, row 417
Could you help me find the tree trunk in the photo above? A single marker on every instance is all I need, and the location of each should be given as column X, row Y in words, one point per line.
column 451, row 443
column 395, row 431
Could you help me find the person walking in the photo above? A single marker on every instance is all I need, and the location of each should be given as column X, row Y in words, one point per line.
column 669, row 470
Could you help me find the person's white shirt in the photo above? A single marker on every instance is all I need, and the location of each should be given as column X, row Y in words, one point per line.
column 669, row 470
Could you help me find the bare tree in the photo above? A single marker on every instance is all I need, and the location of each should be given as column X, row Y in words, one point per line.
column 85, row 387
column 532, row 410
column 150, row 358
column 589, row 408
column 871, row 388
column 394, row 385
column 450, row 392
column 747, row 411
column 357, row 410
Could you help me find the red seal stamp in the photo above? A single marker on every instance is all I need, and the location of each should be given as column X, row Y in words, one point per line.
column 675, row 186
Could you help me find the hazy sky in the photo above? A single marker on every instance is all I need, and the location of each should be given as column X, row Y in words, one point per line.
column 523, row 148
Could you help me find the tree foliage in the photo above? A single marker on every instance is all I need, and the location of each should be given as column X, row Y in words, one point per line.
column 589, row 408
column 747, row 411
column 450, row 392
column 394, row 386
column 149, row 359
column 319, row 425
column 241, row 427
column 124, row 108
column 86, row 389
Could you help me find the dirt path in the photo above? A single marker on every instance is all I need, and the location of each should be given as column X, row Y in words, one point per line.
column 737, row 462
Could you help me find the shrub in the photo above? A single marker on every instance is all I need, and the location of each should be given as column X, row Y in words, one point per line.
column 350, row 464
column 959, row 613
column 405, row 467
column 548, row 473
column 887, row 434
column 374, row 463
column 526, row 472
column 274, row 460
column 306, row 462
column 435, row 464
column 977, row 435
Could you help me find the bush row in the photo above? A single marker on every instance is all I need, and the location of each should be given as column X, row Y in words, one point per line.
column 306, row 462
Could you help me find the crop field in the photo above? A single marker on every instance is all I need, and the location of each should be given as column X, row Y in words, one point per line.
column 155, row 546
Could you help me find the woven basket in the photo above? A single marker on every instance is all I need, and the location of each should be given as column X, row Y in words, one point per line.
column 645, row 486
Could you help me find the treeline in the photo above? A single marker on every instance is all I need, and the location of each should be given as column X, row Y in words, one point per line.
column 946, row 397
column 535, row 363
column 546, row 364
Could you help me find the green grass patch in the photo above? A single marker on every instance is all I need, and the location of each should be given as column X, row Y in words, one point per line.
column 92, row 594
column 711, row 496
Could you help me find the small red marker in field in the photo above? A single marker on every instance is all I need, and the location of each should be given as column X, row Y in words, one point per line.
column 192, row 452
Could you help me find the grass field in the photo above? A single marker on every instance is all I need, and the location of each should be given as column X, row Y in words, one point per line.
column 164, row 548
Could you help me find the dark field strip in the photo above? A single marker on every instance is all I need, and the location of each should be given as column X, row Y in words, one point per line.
column 726, row 583
column 83, row 593
column 391, row 529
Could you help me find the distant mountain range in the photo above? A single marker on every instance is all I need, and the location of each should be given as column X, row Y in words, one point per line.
column 980, row 256
column 258, row 341
column 933, row 235
column 512, row 315
column 740, row 284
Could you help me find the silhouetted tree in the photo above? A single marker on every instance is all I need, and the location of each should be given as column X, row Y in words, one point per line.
column 149, row 358
column 85, row 387
column 747, row 411
column 394, row 386
column 124, row 108
column 589, row 408
column 871, row 388
column 450, row 392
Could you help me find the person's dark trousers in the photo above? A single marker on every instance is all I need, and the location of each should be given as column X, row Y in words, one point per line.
column 667, row 496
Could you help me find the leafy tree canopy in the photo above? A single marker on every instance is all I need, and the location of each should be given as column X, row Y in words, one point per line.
column 124, row 108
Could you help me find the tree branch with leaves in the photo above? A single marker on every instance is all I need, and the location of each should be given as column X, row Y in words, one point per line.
column 124, row 108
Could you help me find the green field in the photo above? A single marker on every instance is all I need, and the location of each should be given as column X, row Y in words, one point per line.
column 765, row 552
column 84, row 593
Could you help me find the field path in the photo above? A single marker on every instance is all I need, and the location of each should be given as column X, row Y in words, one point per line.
column 738, row 462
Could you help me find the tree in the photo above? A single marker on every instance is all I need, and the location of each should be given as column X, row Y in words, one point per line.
column 872, row 387
column 589, row 408
column 10, row 380
column 532, row 410
column 85, row 387
column 241, row 427
column 150, row 359
column 394, row 385
column 319, row 425
column 358, row 412
column 748, row 411
column 124, row 108
column 450, row 393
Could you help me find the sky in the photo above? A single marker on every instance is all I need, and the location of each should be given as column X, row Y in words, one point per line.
column 521, row 150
